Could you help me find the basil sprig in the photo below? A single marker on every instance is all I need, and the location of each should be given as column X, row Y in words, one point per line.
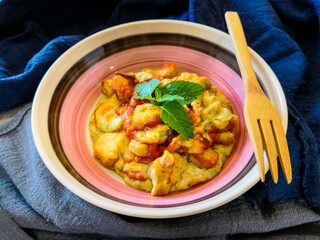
column 171, row 99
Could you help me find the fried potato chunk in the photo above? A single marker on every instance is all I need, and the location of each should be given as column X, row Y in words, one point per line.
column 165, row 171
column 217, row 116
column 116, row 144
column 134, row 170
column 93, row 130
column 157, row 134
column 169, row 70
column 146, row 74
column 138, row 148
column 225, row 138
column 192, row 77
column 221, row 97
column 106, row 89
column 105, row 116
column 165, row 81
column 214, row 113
column 123, row 87
column 146, row 115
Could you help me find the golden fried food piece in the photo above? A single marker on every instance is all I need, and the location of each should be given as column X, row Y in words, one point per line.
column 157, row 134
column 123, row 86
column 226, row 138
column 165, row 172
column 192, row 77
column 146, row 74
column 138, row 148
column 146, row 115
column 105, row 116
column 116, row 142
column 137, row 171
column 214, row 112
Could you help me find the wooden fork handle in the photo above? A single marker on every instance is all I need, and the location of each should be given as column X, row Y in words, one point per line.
column 241, row 50
column 251, row 85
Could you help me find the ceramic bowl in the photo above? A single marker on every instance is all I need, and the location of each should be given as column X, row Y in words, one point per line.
column 68, row 91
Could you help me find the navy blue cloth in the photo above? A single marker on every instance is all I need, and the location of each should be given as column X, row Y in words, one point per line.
column 33, row 34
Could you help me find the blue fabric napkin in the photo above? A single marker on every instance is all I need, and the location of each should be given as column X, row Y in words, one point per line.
column 33, row 34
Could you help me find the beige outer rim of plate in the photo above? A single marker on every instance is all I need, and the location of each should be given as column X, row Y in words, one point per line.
column 49, row 82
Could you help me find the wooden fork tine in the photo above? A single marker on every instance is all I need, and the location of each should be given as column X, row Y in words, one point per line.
column 255, row 137
column 282, row 148
column 269, row 146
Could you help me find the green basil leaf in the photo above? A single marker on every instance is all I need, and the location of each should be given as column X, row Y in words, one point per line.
column 168, row 97
column 145, row 89
column 147, row 98
column 158, row 93
column 189, row 91
column 176, row 116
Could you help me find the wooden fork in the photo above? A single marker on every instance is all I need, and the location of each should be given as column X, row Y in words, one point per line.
column 262, row 120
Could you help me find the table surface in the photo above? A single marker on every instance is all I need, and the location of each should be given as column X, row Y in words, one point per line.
column 6, row 116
